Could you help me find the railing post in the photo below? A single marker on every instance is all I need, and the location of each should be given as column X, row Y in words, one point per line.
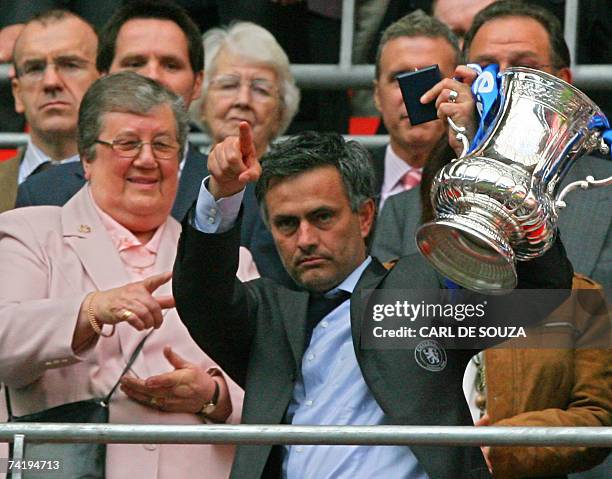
column 571, row 30
column 346, row 33
column 18, row 452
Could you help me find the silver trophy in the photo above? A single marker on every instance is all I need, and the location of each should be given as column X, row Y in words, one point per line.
column 500, row 203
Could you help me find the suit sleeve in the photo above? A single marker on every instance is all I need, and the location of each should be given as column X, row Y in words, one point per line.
column 581, row 376
column 217, row 309
column 590, row 405
column 35, row 331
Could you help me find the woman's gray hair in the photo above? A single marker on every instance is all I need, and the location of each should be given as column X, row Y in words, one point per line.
column 124, row 92
column 253, row 44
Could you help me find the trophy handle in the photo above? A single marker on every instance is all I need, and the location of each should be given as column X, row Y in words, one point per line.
column 460, row 135
column 588, row 182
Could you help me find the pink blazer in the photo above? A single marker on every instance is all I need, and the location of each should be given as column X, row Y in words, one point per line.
column 50, row 258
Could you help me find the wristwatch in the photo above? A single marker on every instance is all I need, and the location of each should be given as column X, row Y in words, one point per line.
column 210, row 406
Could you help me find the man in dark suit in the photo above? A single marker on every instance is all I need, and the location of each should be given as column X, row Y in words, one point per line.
column 54, row 62
column 157, row 40
column 519, row 34
column 413, row 42
column 301, row 366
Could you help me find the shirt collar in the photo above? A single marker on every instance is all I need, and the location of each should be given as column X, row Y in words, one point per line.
column 123, row 238
column 351, row 280
column 183, row 159
column 34, row 157
column 395, row 169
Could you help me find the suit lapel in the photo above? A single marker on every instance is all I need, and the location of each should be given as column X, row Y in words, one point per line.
column 369, row 281
column 294, row 309
column 192, row 175
column 86, row 234
column 378, row 164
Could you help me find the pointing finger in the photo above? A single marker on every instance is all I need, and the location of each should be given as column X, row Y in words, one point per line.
column 153, row 282
column 247, row 147
column 165, row 302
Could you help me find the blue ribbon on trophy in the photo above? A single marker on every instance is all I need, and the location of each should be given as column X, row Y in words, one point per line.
column 486, row 90
column 486, row 93
column 601, row 122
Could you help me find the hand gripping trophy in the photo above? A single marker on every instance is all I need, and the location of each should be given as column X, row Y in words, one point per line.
column 499, row 204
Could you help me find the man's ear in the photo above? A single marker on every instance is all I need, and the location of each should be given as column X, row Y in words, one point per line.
column 86, row 168
column 197, row 86
column 367, row 213
column 565, row 74
column 16, row 87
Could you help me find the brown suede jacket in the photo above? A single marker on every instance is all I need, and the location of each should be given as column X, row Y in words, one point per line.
column 569, row 386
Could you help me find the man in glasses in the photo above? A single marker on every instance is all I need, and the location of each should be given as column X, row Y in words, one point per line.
column 55, row 62
column 158, row 40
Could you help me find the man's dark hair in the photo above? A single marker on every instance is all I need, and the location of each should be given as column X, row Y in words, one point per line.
column 309, row 150
column 155, row 10
column 416, row 24
column 559, row 52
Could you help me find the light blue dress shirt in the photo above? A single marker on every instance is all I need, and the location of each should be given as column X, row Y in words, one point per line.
column 215, row 216
column 331, row 389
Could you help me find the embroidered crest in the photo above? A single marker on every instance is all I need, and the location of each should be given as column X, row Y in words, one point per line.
column 430, row 355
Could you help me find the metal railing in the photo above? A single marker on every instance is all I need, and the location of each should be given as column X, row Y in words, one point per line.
column 346, row 75
column 15, row 140
column 308, row 435
column 18, row 433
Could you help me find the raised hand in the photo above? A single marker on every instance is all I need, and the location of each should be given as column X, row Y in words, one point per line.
column 458, row 106
column 8, row 37
column 233, row 163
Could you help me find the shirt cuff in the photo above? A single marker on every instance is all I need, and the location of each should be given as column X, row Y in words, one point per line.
column 215, row 216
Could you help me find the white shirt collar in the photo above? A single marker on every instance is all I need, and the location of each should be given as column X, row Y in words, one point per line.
column 182, row 163
column 34, row 157
column 395, row 169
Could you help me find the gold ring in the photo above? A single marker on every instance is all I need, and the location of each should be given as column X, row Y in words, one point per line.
column 154, row 402
column 452, row 96
column 127, row 314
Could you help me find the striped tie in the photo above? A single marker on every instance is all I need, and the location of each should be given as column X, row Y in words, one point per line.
column 411, row 179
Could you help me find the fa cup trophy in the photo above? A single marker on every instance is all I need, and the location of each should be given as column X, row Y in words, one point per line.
column 500, row 203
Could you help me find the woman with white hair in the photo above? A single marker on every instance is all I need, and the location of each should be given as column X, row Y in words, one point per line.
column 247, row 78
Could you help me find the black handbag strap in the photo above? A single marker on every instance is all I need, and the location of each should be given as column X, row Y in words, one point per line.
column 127, row 366
column 106, row 399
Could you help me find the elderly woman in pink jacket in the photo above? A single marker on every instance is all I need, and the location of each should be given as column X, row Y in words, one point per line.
column 81, row 285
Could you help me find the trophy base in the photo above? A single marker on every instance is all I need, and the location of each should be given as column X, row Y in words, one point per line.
column 469, row 252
